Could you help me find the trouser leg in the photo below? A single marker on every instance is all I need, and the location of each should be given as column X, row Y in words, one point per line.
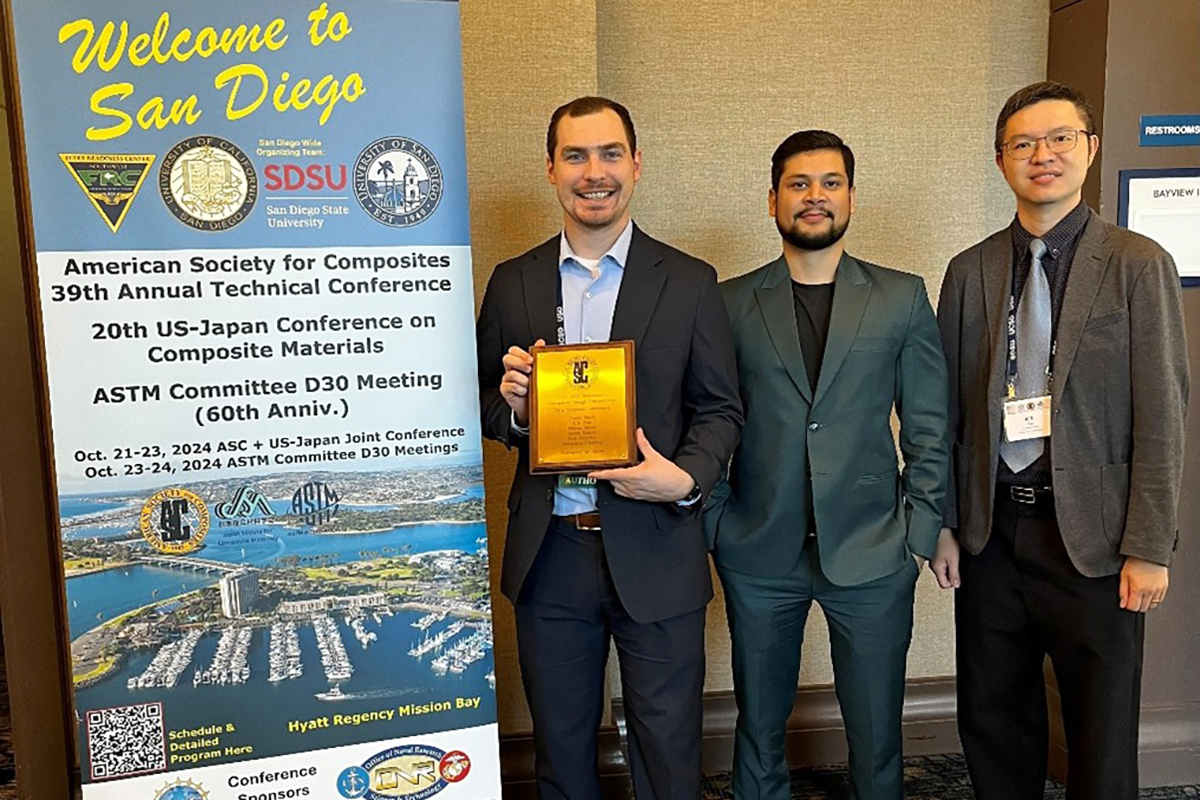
column 1096, row 649
column 766, row 623
column 1001, row 690
column 870, row 629
column 662, row 680
column 562, row 642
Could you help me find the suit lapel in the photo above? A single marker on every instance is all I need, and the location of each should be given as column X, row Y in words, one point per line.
column 778, row 309
column 849, row 303
column 640, row 287
column 540, row 278
column 996, row 274
column 1083, row 282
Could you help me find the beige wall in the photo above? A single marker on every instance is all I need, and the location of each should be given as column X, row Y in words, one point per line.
column 713, row 88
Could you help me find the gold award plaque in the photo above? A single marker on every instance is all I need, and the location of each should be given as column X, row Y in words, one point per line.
column 582, row 412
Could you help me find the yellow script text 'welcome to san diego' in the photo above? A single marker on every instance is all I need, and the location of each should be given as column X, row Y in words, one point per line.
column 247, row 84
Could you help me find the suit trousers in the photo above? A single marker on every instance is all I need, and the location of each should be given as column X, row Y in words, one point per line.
column 870, row 628
column 567, row 613
column 1021, row 599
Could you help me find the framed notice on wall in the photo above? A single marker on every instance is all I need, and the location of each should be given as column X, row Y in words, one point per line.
column 1164, row 204
column 249, row 235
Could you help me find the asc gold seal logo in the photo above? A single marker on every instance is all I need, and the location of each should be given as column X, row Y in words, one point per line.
column 208, row 183
column 174, row 521
column 581, row 372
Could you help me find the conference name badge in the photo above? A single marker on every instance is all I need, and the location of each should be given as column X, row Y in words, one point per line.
column 1027, row 419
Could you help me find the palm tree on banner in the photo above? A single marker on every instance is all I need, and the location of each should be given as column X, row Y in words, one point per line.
column 389, row 186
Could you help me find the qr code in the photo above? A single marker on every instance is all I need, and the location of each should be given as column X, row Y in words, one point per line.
column 127, row 740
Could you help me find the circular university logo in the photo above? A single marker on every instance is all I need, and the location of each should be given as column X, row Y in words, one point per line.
column 174, row 521
column 208, row 183
column 182, row 790
column 397, row 181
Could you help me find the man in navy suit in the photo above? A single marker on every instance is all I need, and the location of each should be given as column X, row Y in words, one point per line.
column 622, row 558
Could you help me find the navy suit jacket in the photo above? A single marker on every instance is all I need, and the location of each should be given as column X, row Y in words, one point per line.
column 687, row 405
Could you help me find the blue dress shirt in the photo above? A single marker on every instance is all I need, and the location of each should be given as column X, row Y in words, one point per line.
column 589, row 299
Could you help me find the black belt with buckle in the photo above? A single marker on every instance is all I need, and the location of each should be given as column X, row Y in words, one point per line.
column 1028, row 499
column 589, row 521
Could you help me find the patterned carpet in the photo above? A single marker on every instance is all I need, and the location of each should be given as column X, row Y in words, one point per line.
column 8, row 786
column 925, row 778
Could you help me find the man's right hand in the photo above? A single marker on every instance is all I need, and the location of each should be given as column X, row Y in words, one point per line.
column 514, row 386
column 945, row 560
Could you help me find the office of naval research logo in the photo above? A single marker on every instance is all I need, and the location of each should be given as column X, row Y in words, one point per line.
column 411, row 771
column 397, row 181
column 182, row 790
column 109, row 182
column 174, row 521
column 208, row 183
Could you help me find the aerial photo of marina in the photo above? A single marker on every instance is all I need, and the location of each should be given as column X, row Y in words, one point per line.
column 375, row 594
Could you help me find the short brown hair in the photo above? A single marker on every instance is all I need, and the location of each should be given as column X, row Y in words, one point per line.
column 582, row 107
column 1036, row 93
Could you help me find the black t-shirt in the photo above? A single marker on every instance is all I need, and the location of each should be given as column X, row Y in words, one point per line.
column 814, row 307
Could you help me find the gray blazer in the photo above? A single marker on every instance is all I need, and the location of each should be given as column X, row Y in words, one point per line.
column 1119, row 395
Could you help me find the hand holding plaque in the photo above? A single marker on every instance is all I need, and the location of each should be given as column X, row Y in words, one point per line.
column 582, row 414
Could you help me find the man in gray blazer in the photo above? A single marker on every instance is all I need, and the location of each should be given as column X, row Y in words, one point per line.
column 1068, row 388
column 815, row 508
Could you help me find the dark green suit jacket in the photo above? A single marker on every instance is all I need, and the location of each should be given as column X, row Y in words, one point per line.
column 883, row 351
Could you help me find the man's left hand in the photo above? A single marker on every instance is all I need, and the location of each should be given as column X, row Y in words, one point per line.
column 657, row 479
column 1143, row 585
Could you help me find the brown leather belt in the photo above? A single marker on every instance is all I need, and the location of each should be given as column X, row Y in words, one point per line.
column 584, row 522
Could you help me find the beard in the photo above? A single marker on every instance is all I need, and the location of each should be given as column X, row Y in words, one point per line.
column 813, row 241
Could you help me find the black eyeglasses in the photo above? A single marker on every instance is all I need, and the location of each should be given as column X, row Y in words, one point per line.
column 1022, row 148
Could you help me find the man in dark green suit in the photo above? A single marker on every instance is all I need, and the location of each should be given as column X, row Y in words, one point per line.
column 815, row 507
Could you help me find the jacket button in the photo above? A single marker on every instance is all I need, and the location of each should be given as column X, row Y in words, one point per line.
column 812, row 426
column 549, row 494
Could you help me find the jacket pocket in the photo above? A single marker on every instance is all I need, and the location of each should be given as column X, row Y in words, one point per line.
column 1111, row 318
column 880, row 477
column 1114, row 482
column 873, row 345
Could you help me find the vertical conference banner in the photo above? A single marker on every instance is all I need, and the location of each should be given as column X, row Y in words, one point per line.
column 255, row 279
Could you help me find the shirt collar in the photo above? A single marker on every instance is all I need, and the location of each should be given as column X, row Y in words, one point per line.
column 619, row 252
column 1061, row 236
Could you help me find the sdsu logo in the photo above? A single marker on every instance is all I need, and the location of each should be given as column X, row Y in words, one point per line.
column 208, row 183
column 398, row 182
column 174, row 521
column 110, row 182
column 313, row 178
